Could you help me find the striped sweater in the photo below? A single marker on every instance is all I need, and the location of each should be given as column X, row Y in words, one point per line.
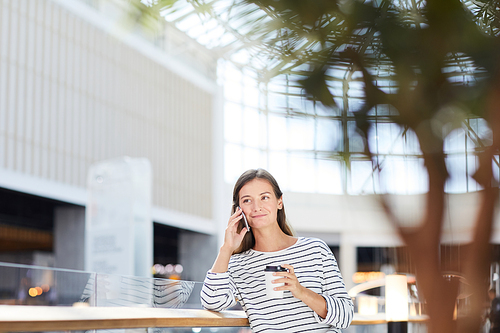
column 315, row 267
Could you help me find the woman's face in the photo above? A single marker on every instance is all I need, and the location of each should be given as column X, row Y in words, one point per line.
column 259, row 203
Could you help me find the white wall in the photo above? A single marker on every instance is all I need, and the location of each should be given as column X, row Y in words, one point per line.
column 364, row 218
column 75, row 89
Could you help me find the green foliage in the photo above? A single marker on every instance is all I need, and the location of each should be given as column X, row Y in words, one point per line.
column 438, row 54
column 426, row 47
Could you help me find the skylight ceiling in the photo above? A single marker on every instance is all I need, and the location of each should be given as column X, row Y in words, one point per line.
column 218, row 26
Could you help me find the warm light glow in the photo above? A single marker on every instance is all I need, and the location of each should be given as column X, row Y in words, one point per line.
column 367, row 305
column 167, row 269
column 32, row 292
column 39, row 290
column 45, row 288
column 413, row 309
column 81, row 305
column 360, row 277
column 396, row 297
column 158, row 269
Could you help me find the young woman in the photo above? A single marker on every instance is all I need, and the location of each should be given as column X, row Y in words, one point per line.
column 315, row 298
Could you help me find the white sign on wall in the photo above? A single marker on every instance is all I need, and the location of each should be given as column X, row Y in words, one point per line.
column 118, row 226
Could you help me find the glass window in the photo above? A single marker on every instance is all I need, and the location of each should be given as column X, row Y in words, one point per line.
column 233, row 122
column 232, row 86
column 472, row 165
column 302, row 173
column 232, row 92
column 362, row 180
column 295, row 102
column 386, row 138
column 479, row 130
column 253, row 159
column 276, row 98
column 263, row 129
column 329, row 135
column 329, row 177
column 278, row 167
column 455, row 141
column 277, row 132
column 251, row 128
column 233, row 162
column 457, row 181
column 383, row 110
column 402, row 175
column 277, row 102
column 356, row 89
column 354, row 104
column 356, row 142
column 323, row 110
column 307, row 152
column 251, row 93
column 411, row 144
column 302, row 133
column 309, row 106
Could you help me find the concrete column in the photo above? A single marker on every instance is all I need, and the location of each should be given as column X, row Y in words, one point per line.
column 222, row 193
column 348, row 260
column 197, row 253
column 69, row 237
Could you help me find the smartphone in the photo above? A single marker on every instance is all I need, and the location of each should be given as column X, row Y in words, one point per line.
column 245, row 219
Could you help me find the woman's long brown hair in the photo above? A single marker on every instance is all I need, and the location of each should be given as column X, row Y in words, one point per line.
column 249, row 239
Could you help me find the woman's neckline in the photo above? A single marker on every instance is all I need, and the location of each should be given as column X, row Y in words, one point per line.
column 297, row 239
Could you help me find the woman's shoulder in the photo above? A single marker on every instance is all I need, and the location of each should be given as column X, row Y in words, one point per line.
column 238, row 259
column 247, row 261
column 313, row 242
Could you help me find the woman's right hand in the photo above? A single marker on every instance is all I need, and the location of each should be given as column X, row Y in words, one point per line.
column 233, row 239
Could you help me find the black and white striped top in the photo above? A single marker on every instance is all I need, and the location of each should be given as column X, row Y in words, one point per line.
column 315, row 267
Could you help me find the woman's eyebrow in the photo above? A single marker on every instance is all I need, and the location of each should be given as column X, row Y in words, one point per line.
column 248, row 195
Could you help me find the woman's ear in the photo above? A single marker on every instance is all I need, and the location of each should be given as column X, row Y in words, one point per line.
column 280, row 203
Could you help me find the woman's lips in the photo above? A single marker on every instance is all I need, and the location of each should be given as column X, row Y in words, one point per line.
column 257, row 216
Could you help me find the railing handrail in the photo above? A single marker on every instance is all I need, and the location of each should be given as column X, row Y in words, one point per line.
column 21, row 318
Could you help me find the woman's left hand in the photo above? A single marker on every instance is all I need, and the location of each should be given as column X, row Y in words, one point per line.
column 291, row 282
column 315, row 301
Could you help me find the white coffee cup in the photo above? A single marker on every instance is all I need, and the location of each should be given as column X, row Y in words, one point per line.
column 269, row 271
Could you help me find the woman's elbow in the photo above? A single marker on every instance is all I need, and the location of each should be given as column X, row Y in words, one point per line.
column 349, row 315
column 211, row 306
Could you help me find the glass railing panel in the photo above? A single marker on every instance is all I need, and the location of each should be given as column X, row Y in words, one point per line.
column 35, row 285
column 114, row 290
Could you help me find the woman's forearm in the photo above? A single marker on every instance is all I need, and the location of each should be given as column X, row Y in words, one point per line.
column 315, row 301
column 222, row 261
